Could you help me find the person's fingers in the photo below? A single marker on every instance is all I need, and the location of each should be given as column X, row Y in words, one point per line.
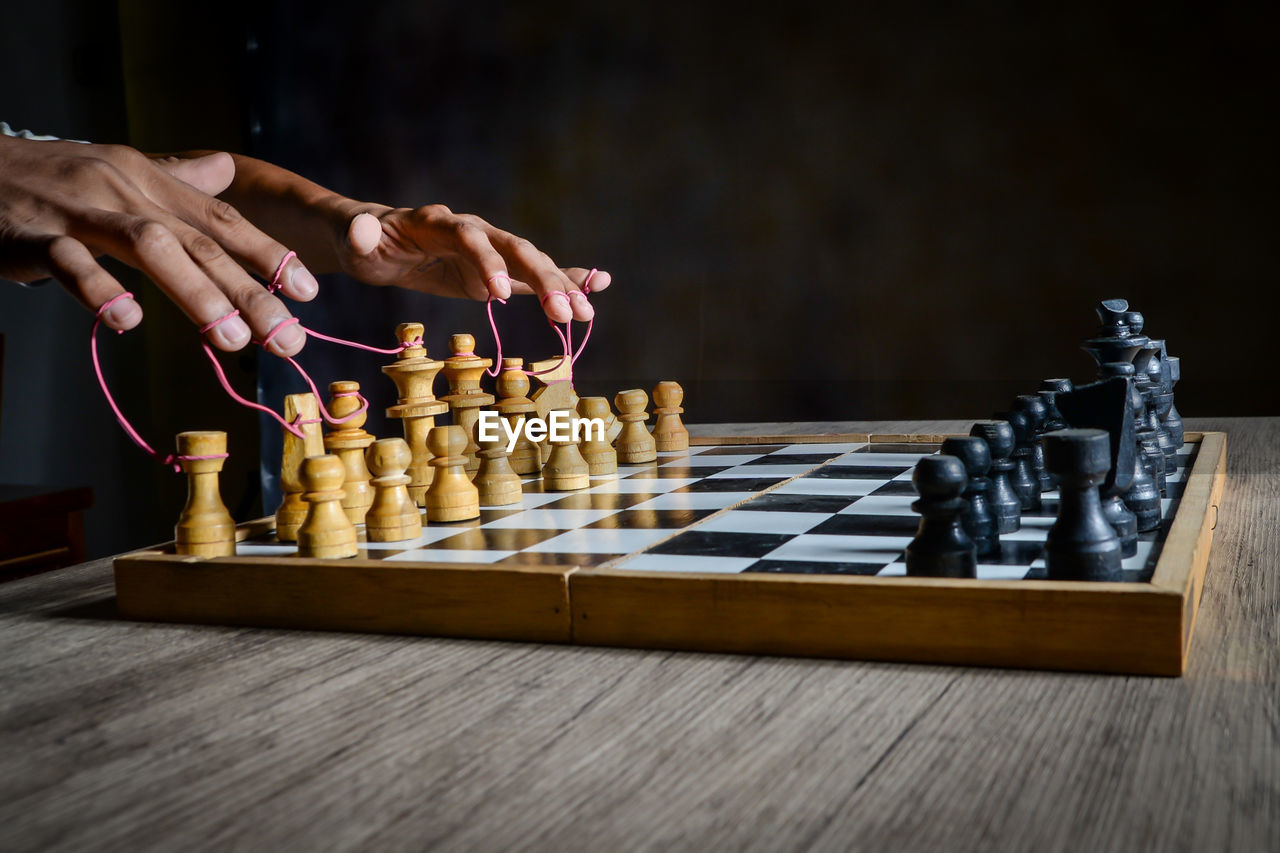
column 599, row 281
column 150, row 245
column 237, row 237
column 549, row 283
column 473, row 244
column 260, row 309
column 364, row 233
column 211, row 174
column 71, row 263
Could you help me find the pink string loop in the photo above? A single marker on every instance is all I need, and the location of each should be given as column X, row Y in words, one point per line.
column 566, row 340
column 275, row 279
column 224, row 318
column 102, row 380
column 172, row 459
column 396, row 350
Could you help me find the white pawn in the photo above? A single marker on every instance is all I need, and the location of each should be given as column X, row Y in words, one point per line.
column 669, row 431
column 326, row 531
column 394, row 515
column 634, row 443
column 565, row 470
column 600, row 456
column 452, row 496
column 497, row 484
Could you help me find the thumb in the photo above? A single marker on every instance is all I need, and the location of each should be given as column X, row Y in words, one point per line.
column 210, row 173
column 364, row 233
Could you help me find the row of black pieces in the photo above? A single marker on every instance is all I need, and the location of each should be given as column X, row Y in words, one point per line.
column 962, row 510
column 1119, row 340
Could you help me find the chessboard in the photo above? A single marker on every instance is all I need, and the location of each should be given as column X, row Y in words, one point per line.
column 792, row 547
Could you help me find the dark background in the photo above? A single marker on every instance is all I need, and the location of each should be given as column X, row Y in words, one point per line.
column 818, row 211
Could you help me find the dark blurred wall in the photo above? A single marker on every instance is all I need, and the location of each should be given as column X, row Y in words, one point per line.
column 826, row 210
column 822, row 211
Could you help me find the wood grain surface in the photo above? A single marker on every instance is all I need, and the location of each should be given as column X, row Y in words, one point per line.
column 123, row 736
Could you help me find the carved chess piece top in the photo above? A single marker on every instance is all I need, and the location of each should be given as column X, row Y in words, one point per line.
column 464, row 368
column 414, row 373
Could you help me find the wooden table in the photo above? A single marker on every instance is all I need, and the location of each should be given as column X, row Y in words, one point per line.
column 137, row 736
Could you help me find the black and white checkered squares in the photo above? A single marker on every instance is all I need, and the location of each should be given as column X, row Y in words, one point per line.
column 778, row 508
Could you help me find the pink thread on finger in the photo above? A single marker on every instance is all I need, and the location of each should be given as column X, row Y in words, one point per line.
column 275, row 279
column 566, row 341
column 224, row 318
column 280, row 327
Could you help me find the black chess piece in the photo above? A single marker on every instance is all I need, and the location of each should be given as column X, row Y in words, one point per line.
column 979, row 520
column 1005, row 503
column 941, row 548
column 1149, row 427
column 1025, row 480
column 1172, row 419
column 1143, row 496
column 1105, row 405
column 1081, row 545
column 1037, row 413
column 1116, row 338
column 1049, row 390
column 1161, row 403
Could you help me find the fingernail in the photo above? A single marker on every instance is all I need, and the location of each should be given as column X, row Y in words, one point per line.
column 303, row 283
column 124, row 315
column 289, row 339
column 502, row 285
column 231, row 333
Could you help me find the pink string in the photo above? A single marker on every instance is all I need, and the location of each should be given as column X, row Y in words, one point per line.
column 293, row 427
column 171, row 459
column 566, row 342
column 275, row 279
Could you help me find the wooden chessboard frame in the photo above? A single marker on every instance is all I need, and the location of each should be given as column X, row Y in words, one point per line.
column 1134, row 628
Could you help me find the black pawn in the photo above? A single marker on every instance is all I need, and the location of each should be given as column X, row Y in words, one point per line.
column 1037, row 413
column 979, row 521
column 1081, row 545
column 1005, row 503
column 1025, row 480
column 941, row 548
column 1143, row 495
column 1049, row 391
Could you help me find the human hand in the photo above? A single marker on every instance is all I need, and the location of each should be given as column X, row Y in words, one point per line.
column 435, row 250
column 62, row 204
